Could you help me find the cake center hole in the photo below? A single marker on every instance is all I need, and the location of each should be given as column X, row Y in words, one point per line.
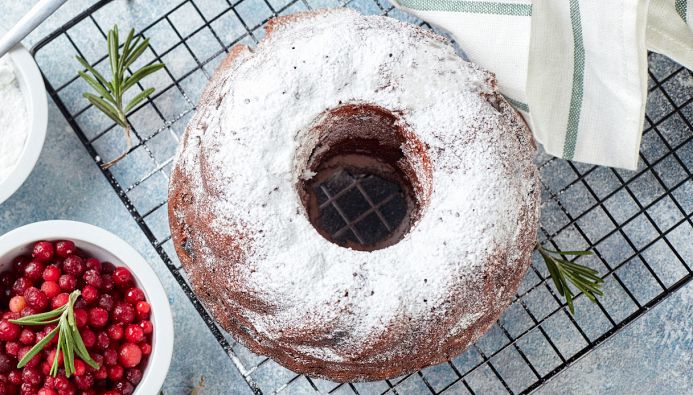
column 359, row 191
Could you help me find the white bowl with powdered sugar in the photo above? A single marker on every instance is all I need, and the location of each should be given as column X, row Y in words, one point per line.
column 23, row 119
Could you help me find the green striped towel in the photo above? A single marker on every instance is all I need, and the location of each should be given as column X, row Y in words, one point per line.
column 575, row 69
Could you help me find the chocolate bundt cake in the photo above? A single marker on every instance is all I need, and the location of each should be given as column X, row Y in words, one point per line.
column 335, row 84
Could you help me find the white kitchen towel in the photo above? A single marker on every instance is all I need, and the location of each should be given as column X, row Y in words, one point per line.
column 575, row 69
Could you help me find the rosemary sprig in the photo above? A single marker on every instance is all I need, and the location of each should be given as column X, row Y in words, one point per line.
column 562, row 272
column 109, row 94
column 69, row 340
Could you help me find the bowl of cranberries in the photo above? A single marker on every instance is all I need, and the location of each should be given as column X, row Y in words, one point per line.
column 81, row 312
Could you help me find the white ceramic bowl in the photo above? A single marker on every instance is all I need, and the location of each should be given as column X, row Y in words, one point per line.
column 106, row 246
column 31, row 85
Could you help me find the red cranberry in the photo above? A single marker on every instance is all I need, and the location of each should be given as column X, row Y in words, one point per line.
column 27, row 389
column 17, row 304
column 122, row 278
column 20, row 284
column 98, row 317
column 146, row 348
column 110, row 357
column 46, row 330
column 12, row 348
column 19, row 262
column 98, row 358
column 123, row 312
column 32, row 376
column 67, row 282
column 50, row 288
column 134, row 376
column 34, row 361
column 46, row 368
column 115, row 372
column 107, row 268
column 49, row 381
column 36, row 298
column 80, row 367
column 73, row 265
column 47, row 391
column 51, row 273
column 64, row 248
column 43, row 251
column 88, row 338
column 129, row 355
column 107, row 283
column 27, row 337
column 115, row 331
column 102, row 373
column 51, row 357
column 27, row 311
column 93, row 264
column 143, row 309
column 106, row 302
column 7, row 363
column 125, row 387
column 6, row 279
column 103, row 341
column 60, row 300
column 147, row 327
column 80, row 304
column 134, row 295
column 8, row 315
column 61, row 383
column 9, row 331
column 84, row 381
column 81, row 317
column 15, row 377
column 33, row 270
column 90, row 294
column 93, row 278
column 134, row 333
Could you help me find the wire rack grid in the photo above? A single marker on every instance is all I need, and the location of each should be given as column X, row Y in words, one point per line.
column 637, row 223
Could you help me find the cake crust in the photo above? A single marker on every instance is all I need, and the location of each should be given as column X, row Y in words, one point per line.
column 423, row 318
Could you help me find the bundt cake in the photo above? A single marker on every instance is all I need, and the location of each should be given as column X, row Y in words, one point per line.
column 333, row 84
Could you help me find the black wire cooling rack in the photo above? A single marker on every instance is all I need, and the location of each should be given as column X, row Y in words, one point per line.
column 637, row 223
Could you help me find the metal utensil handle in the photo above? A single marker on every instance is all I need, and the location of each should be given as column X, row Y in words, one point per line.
column 38, row 13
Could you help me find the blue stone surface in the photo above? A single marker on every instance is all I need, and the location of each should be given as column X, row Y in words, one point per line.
column 651, row 355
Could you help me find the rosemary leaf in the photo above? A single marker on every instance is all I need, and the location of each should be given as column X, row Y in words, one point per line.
column 56, row 359
column 111, row 93
column 39, row 319
column 97, row 87
column 37, row 348
column 104, row 107
column 69, row 340
column 569, row 252
column 126, row 51
column 137, row 99
column 92, row 70
column 139, row 48
column 569, row 299
column 81, row 349
column 112, row 41
column 553, row 271
column 565, row 273
column 141, row 73
column 69, row 353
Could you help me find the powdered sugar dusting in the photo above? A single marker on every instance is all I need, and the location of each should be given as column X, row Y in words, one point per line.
column 240, row 157
column 14, row 119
